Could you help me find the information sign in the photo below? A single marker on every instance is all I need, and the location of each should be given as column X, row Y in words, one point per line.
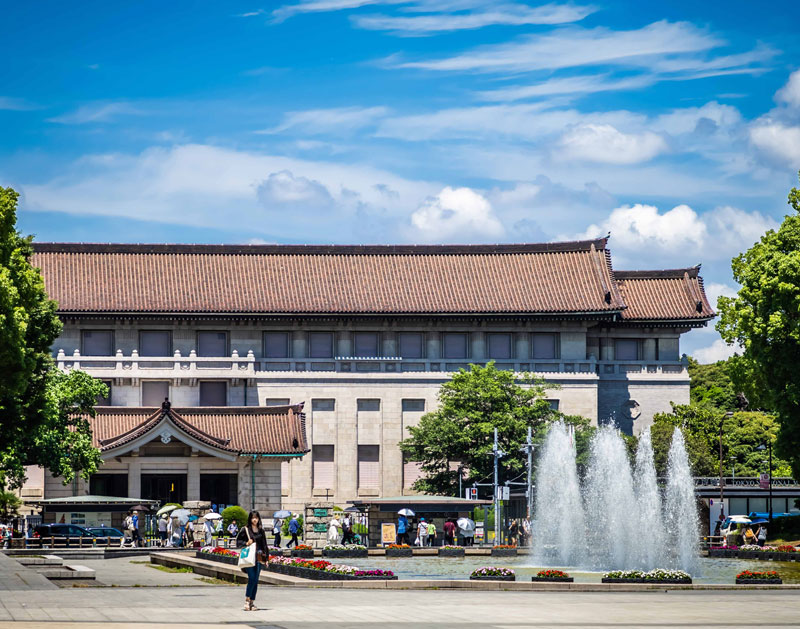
column 388, row 533
column 320, row 513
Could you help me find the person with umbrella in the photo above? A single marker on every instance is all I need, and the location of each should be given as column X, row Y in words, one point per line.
column 402, row 525
column 162, row 529
column 467, row 529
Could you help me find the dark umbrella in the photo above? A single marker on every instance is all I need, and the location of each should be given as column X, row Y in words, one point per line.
column 140, row 508
column 353, row 509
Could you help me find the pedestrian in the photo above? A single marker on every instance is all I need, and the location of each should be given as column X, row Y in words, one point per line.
column 162, row 529
column 422, row 532
column 513, row 531
column 431, row 533
column 177, row 532
column 294, row 529
column 526, row 532
column 347, row 529
column 189, row 533
column 208, row 529
column 749, row 536
column 449, row 533
column 761, row 535
column 127, row 523
column 233, row 529
column 277, row 525
column 402, row 530
column 253, row 533
column 135, row 529
column 334, row 537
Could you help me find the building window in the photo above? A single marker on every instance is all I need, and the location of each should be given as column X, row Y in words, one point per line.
column 276, row 401
column 544, row 346
column 213, row 393
column 109, row 485
column 368, row 405
column 154, row 392
column 413, row 406
column 365, row 344
column 276, row 345
column 155, row 343
column 105, row 401
column 553, row 404
column 498, row 345
column 369, row 467
column 212, row 343
column 97, row 342
column 455, row 345
column 323, row 467
column 221, row 490
column 323, row 405
column 627, row 349
column 411, row 344
column 320, row 345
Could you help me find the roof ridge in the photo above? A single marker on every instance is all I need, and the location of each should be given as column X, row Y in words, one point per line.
column 294, row 249
column 693, row 272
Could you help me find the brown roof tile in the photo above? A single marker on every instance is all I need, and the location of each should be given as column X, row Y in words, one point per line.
column 672, row 294
column 571, row 277
column 243, row 430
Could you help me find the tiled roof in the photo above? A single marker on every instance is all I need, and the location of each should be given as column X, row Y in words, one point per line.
column 242, row 430
column 673, row 294
column 567, row 277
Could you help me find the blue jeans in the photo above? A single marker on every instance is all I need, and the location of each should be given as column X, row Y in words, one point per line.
column 252, row 581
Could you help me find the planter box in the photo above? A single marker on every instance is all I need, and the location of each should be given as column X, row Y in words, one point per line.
column 497, row 578
column 759, row 581
column 305, row 554
column 393, row 553
column 552, row 579
column 451, row 552
column 233, row 561
column 345, row 554
column 504, row 552
column 661, row 582
column 321, row 575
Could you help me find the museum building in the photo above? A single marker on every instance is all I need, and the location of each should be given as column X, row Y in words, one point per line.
column 268, row 352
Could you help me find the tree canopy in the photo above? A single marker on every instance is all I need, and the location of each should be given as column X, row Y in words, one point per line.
column 461, row 429
column 40, row 407
column 764, row 318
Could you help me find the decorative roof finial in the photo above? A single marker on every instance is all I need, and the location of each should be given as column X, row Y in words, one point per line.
column 165, row 405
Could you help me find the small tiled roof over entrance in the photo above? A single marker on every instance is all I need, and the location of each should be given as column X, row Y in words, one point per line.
column 562, row 277
column 273, row 430
column 672, row 294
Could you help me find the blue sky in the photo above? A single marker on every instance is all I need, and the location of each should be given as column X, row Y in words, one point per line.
column 675, row 126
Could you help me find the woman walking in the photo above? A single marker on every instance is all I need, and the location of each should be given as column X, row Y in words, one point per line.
column 253, row 533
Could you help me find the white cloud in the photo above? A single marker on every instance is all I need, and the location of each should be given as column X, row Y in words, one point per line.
column 573, row 86
column 790, row 93
column 606, row 144
column 691, row 119
column 456, row 214
column 735, row 230
column 283, row 189
column 96, row 112
column 16, row 104
column 715, row 290
column 319, row 6
column 718, row 350
column 778, row 140
column 333, row 121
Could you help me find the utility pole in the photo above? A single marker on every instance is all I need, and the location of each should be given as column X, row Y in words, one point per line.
column 528, row 447
column 497, row 452
column 721, row 477
column 770, row 481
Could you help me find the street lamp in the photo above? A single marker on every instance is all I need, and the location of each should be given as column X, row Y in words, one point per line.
column 733, row 467
column 768, row 447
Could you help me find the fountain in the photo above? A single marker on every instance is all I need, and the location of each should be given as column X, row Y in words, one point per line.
column 617, row 518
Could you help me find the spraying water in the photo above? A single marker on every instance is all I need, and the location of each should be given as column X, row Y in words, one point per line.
column 681, row 506
column 648, row 502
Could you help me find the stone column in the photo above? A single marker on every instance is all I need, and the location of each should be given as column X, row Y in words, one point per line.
column 344, row 341
column 389, row 343
column 299, row 338
column 434, row 341
column 523, row 346
column 134, row 479
column 478, row 349
column 193, row 480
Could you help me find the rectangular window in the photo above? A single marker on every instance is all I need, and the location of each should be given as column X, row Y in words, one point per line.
column 320, row 345
column 155, row 343
column 97, row 342
column 544, row 346
column 109, row 485
column 105, row 401
column 219, row 489
column 627, row 349
column 411, row 345
column 213, row 393
column 212, row 343
column 553, row 404
column 276, row 401
column 154, row 392
column 369, row 467
column 498, row 345
column 455, row 345
column 365, row 344
column 369, row 405
column 414, row 406
column 323, row 405
column 276, row 345
column 323, row 467
column 412, row 471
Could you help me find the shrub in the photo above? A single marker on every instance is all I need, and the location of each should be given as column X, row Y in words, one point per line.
column 234, row 513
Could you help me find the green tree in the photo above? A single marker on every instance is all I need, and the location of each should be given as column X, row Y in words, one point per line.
column 712, row 385
column 42, row 410
column 700, row 426
column 764, row 318
column 461, row 429
column 9, row 505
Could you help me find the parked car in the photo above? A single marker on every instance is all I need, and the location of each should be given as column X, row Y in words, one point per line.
column 61, row 530
column 106, row 532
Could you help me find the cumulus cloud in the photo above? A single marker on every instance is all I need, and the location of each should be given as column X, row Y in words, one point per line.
column 790, row 93
column 283, row 189
column 456, row 214
column 715, row 290
column 718, row 350
column 605, row 144
column 778, row 140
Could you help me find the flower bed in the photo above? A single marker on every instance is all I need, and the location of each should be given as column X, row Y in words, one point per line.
column 504, row 550
column 490, row 573
column 399, row 550
column 324, row 570
column 658, row 575
column 303, row 550
column 217, row 553
column 748, row 577
column 785, row 552
column 451, row 551
column 342, row 551
column 557, row 576
column 275, row 550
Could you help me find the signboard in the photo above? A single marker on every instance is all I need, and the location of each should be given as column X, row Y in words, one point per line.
column 504, row 492
column 320, row 513
column 763, row 481
column 320, row 528
column 90, row 518
column 388, row 533
column 472, row 493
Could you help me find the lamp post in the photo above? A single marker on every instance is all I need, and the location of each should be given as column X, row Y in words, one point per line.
column 733, row 467
column 768, row 447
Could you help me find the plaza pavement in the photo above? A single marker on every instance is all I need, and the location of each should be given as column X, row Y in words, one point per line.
column 140, row 597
